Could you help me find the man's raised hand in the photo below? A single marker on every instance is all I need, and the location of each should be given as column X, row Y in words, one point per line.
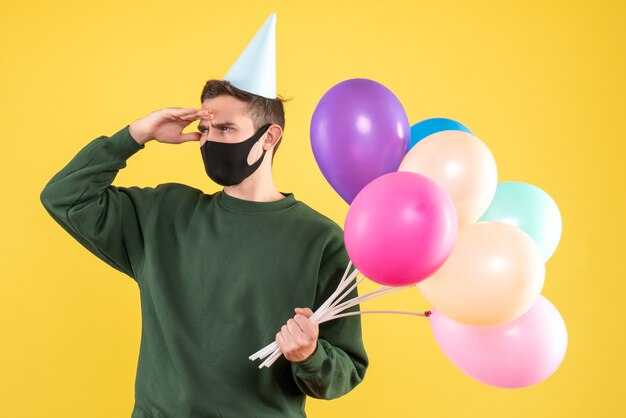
column 166, row 125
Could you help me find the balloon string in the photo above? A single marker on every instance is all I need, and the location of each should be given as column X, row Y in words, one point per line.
column 343, row 283
column 360, row 299
column 272, row 348
column 332, row 308
column 423, row 314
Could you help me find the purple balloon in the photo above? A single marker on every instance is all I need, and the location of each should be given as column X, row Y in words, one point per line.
column 359, row 131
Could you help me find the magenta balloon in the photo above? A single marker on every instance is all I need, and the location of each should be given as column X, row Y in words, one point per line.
column 517, row 354
column 359, row 131
column 400, row 228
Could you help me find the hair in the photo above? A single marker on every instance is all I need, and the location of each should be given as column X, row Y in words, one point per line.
column 260, row 109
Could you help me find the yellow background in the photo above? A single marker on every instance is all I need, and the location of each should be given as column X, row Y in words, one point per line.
column 542, row 83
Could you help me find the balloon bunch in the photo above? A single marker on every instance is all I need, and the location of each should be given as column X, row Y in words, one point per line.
column 426, row 210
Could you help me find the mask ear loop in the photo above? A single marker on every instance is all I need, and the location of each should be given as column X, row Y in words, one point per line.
column 266, row 127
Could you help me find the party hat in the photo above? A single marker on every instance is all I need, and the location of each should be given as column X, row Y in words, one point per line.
column 255, row 69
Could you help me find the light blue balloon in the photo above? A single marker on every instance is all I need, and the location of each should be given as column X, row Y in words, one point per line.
column 530, row 209
column 427, row 127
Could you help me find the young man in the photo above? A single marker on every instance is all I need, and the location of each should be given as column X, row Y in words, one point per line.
column 219, row 274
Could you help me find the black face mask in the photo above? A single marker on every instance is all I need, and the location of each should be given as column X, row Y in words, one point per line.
column 227, row 164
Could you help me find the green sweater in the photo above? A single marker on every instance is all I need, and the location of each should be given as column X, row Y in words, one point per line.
column 218, row 276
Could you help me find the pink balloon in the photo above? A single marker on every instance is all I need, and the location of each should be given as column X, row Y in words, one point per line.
column 400, row 228
column 516, row 354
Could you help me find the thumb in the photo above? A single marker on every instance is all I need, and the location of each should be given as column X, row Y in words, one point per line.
column 191, row 136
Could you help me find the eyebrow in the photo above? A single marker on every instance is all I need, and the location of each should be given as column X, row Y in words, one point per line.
column 217, row 125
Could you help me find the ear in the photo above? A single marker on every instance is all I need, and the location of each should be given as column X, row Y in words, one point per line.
column 273, row 134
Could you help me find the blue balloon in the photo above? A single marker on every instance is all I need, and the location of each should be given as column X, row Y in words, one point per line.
column 530, row 209
column 427, row 127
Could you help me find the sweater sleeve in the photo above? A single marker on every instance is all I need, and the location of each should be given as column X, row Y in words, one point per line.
column 339, row 363
column 108, row 221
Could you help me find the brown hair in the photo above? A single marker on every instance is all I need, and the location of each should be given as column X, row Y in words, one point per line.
column 261, row 109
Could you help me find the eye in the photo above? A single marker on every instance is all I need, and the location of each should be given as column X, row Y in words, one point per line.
column 224, row 127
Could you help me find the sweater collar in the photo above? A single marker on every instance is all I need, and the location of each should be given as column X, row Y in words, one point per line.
column 251, row 206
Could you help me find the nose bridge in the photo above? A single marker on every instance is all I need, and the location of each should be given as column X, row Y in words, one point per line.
column 213, row 135
column 210, row 133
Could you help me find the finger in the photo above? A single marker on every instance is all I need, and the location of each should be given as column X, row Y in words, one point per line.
column 178, row 112
column 305, row 325
column 190, row 117
column 304, row 311
column 289, row 341
column 280, row 340
column 191, row 136
column 295, row 329
column 196, row 115
column 286, row 332
column 208, row 116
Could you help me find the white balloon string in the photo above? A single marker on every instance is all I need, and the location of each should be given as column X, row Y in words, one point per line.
column 271, row 359
column 424, row 314
column 335, row 304
column 270, row 348
column 332, row 308
column 264, row 351
column 277, row 353
column 340, row 287
column 325, row 312
column 368, row 296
